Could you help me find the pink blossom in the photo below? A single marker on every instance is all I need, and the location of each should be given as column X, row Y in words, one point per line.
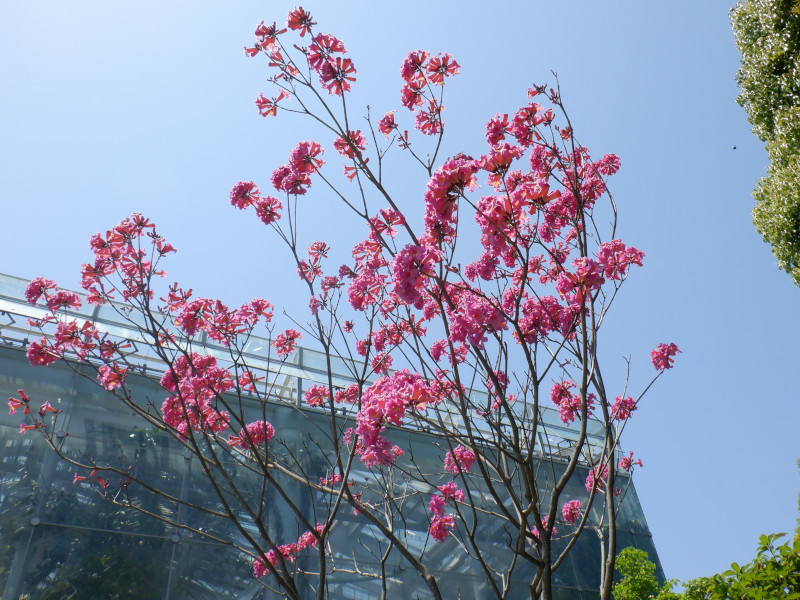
column 381, row 363
column 496, row 129
column 386, row 124
column 111, row 377
column 569, row 404
column 316, row 395
column 41, row 353
column 37, row 288
column 243, row 194
column 616, row 258
column 440, row 526
column 622, row 408
column 337, row 74
column 305, row 157
column 451, row 491
column 413, row 65
column 301, row 20
column 411, row 269
column 331, row 480
column 661, row 356
column 571, row 511
column 535, row 530
column 286, row 342
column 63, row 299
column 626, row 463
column 254, row 435
column 321, row 49
column 351, row 147
column 268, row 209
column 22, row 402
column 459, row 460
column 596, row 479
column 441, row 66
column 437, row 504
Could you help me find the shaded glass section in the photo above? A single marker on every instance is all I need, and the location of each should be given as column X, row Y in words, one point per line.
column 63, row 540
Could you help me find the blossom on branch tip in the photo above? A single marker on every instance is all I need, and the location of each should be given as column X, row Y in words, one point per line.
column 268, row 107
column 111, row 377
column 413, row 66
column 300, row 19
column 337, row 74
column 661, row 356
column 351, row 147
column 459, row 460
column 37, row 288
column 626, row 463
column 440, row 526
column 571, row 511
column 243, row 194
column 597, row 478
column 253, row 436
column 386, row 124
column 622, row 408
column 323, row 46
column 316, row 395
column 23, row 402
column 286, row 342
column 441, row 66
column 535, row 530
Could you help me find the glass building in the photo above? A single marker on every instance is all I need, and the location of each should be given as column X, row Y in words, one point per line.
column 64, row 541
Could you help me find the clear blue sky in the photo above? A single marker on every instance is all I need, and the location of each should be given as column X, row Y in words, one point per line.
column 111, row 108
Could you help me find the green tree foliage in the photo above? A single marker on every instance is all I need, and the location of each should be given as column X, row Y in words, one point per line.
column 637, row 578
column 767, row 34
column 774, row 573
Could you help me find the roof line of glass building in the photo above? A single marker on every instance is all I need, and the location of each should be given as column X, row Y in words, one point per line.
column 303, row 368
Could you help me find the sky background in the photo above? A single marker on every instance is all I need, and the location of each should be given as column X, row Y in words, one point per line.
column 110, row 108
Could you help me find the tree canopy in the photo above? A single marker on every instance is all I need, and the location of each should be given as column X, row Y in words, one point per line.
column 767, row 34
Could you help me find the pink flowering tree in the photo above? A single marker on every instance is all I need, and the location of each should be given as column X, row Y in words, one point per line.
column 462, row 320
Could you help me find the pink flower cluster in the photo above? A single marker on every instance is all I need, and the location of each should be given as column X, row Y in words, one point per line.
column 535, row 529
column 286, row 342
column 622, row 408
column 317, row 395
column 253, row 436
column 441, row 523
column 294, row 178
column 626, row 463
column 597, row 478
column 111, row 376
column 571, row 511
column 119, row 253
column 616, row 258
column 386, row 402
column 661, row 356
column 324, row 54
column 459, row 460
column 420, row 71
column 411, row 268
column 569, row 404
column 214, row 318
column 287, row 552
column 245, row 193
column 196, row 382
column 446, row 185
